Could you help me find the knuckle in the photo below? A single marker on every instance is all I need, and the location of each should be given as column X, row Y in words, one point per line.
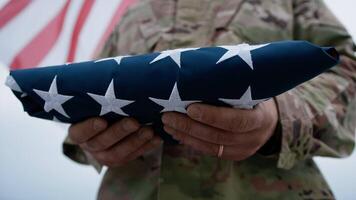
column 185, row 126
column 239, row 123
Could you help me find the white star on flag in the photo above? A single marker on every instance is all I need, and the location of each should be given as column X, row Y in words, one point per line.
column 117, row 59
column 245, row 101
column 174, row 103
column 174, row 54
column 109, row 102
column 242, row 50
column 53, row 100
column 12, row 84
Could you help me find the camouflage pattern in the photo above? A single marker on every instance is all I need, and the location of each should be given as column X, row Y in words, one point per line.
column 318, row 118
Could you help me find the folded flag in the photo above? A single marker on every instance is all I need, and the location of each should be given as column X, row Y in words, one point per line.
column 145, row 86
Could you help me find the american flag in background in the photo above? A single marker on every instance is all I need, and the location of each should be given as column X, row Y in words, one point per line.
column 42, row 32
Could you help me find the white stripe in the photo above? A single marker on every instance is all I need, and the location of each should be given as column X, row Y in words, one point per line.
column 59, row 52
column 94, row 28
column 24, row 27
column 3, row 2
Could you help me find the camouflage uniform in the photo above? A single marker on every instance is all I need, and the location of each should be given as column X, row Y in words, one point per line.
column 317, row 118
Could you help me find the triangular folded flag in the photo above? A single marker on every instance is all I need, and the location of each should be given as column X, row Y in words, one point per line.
column 145, row 86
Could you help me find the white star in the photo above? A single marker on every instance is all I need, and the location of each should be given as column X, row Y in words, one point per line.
column 175, row 54
column 117, row 59
column 245, row 101
column 53, row 100
column 12, row 84
column 109, row 103
column 242, row 50
column 174, row 103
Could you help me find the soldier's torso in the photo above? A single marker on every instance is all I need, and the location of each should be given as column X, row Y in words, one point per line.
column 177, row 172
column 157, row 24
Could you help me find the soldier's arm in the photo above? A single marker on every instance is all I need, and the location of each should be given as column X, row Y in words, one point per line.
column 319, row 116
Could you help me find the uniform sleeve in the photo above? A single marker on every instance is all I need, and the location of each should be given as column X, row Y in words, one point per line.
column 72, row 151
column 319, row 117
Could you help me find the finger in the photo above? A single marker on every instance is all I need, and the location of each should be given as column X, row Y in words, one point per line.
column 229, row 119
column 207, row 133
column 118, row 153
column 199, row 145
column 83, row 131
column 196, row 129
column 152, row 144
column 229, row 152
column 112, row 135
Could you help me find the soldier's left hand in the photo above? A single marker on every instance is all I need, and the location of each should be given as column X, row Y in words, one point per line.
column 241, row 132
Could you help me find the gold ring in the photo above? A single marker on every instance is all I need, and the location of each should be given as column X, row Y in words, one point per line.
column 221, row 150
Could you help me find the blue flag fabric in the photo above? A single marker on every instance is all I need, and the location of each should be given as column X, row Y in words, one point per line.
column 145, row 86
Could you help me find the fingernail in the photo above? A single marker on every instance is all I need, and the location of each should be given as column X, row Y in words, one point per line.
column 194, row 111
column 129, row 125
column 99, row 125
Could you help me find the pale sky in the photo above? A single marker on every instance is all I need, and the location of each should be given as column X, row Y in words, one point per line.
column 32, row 166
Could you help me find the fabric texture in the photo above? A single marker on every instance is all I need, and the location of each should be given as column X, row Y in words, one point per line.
column 317, row 118
column 145, row 86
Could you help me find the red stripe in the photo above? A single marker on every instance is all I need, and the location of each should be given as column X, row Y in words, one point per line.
column 120, row 11
column 33, row 53
column 11, row 10
column 84, row 12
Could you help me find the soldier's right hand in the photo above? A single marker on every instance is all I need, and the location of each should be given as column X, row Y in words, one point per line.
column 113, row 145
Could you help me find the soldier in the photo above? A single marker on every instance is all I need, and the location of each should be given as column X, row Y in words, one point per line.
column 226, row 153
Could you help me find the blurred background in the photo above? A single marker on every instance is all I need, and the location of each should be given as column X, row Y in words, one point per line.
column 31, row 163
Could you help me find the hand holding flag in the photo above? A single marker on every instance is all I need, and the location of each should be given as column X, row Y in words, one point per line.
column 145, row 86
